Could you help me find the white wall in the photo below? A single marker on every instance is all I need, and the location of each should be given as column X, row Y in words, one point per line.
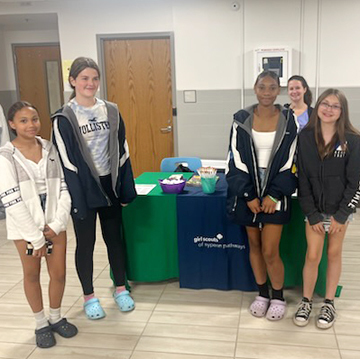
column 213, row 44
column 4, row 83
column 340, row 43
column 208, row 43
column 117, row 17
column 269, row 24
column 199, row 63
column 210, row 54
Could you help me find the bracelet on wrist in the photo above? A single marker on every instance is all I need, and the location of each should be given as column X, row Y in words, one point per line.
column 273, row 199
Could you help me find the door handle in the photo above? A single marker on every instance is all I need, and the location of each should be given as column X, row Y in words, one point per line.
column 166, row 129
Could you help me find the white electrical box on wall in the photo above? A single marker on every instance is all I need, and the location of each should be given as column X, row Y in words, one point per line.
column 276, row 59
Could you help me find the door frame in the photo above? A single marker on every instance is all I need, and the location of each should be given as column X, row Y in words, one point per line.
column 100, row 38
column 32, row 44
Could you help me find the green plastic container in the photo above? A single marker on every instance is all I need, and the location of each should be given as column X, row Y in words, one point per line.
column 208, row 184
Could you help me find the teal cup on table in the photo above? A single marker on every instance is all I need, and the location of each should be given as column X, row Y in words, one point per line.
column 208, row 184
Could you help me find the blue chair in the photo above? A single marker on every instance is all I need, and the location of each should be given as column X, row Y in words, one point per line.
column 169, row 164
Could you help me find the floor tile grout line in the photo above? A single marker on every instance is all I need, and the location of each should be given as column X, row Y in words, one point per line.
column 147, row 322
column 241, row 315
column 126, row 335
column 184, row 354
column 238, row 326
column 32, row 352
column 12, row 287
column 198, row 325
column 291, row 345
column 337, row 343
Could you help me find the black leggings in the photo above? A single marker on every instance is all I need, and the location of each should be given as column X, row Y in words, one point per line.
column 85, row 229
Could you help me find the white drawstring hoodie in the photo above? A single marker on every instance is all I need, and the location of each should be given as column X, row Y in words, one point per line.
column 25, row 218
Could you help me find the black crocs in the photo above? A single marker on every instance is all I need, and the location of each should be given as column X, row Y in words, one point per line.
column 45, row 337
column 64, row 328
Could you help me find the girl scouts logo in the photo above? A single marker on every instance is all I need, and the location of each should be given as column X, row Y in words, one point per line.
column 201, row 239
column 340, row 151
column 216, row 242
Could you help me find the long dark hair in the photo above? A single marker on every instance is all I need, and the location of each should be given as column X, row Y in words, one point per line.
column 271, row 74
column 18, row 106
column 308, row 95
column 342, row 125
column 78, row 65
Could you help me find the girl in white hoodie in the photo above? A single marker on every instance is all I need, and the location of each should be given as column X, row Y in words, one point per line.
column 37, row 205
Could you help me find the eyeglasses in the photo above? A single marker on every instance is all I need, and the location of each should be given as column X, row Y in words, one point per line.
column 330, row 107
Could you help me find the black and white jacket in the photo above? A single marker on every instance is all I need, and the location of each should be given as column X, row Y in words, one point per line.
column 329, row 186
column 243, row 170
column 79, row 170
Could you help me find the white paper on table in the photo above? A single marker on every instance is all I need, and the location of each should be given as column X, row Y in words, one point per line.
column 144, row 189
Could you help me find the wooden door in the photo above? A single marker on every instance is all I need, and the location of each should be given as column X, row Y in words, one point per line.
column 39, row 80
column 138, row 79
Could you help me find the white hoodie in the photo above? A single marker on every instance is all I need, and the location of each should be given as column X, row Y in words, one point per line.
column 25, row 218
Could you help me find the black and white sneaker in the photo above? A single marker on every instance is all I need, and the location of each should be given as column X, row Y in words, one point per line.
column 327, row 316
column 302, row 315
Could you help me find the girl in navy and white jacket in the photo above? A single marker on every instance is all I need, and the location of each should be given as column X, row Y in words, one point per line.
column 261, row 180
column 37, row 205
column 90, row 136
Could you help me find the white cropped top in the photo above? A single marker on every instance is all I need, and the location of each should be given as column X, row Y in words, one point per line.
column 38, row 172
column 263, row 145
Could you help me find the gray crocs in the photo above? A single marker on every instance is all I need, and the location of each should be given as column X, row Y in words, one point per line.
column 64, row 328
column 45, row 337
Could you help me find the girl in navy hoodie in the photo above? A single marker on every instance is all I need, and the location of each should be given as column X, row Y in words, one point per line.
column 261, row 180
column 90, row 136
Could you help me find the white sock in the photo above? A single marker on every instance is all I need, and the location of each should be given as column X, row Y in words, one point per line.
column 41, row 320
column 54, row 315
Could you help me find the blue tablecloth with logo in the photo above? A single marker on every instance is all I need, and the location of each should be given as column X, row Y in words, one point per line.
column 213, row 252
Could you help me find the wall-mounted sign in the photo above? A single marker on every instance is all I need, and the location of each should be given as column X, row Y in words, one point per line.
column 278, row 60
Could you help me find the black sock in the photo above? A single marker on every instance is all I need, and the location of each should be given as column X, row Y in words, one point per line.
column 277, row 294
column 264, row 290
column 329, row 301
column 307, row 300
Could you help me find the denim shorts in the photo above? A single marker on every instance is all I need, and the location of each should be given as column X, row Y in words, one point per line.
column 43, row 200
column 326, row 219
column 262, row 176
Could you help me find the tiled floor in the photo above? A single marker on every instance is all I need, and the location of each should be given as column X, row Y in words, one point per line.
column 173, row 323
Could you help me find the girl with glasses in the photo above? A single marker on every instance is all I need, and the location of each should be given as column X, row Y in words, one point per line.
column 329, row 175
column 301, row 98
column 261, row 180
